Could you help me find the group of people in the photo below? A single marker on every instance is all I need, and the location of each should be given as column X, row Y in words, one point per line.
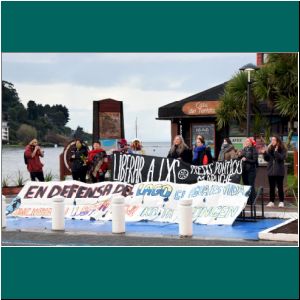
column 84, row 162
column 94, row 163
column 275, row 154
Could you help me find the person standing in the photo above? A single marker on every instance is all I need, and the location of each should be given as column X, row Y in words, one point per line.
column 275, row 155
column 32, row 155
column 227, row 151
column 180, row 150
column 97, row 162
column 249, row 157
column 79, row 159
column 136, row 147
column 202, row 153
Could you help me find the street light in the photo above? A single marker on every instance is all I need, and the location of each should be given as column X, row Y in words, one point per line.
column 248, row 68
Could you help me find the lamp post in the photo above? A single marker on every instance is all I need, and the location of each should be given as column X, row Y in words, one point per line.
column 248, row 68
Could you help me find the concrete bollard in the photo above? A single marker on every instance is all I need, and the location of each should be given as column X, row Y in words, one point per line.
column 58, row 214
column 3, row 218
column 185, row 212
column 118, row 215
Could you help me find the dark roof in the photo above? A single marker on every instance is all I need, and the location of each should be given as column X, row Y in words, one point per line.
column 174, row 109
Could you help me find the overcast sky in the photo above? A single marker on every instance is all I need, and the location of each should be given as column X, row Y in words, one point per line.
column 143, row 81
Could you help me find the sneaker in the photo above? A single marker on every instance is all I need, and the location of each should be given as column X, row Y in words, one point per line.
column 281, row 204
column 270, row 204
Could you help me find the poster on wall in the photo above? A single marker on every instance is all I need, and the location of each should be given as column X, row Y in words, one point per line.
column 208, row 132
column 110, row 125
column 237, row 141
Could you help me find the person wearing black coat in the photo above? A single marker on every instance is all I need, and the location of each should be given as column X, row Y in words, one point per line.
column 180, row 150
column 275, row 154
column 202, row 153
column 249, row 156
column 79, row 155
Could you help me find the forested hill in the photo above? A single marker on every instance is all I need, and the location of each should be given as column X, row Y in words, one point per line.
column 44, row 122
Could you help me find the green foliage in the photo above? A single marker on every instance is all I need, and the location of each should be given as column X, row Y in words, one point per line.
column 26, row 133
column 275, row 83
column 49, row 176
column 19, row 179
column 5, row 181
column 48, row 121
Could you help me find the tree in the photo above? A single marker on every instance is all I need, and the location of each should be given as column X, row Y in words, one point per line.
column 26, row 133
column 10, row 97
column 276, row 84
column 277, row 81
column 32, row 110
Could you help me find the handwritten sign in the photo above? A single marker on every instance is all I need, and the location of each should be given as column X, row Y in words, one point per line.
column 213, row 202
column 200, row 108
column 132, row 169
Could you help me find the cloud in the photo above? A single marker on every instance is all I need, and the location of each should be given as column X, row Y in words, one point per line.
column 138, row 103
column 143, row 81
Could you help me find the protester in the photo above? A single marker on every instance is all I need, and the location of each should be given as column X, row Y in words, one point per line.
column 202, row 153
column 32, row 155
column 249, row 156
column 275, row 154
column 97, row 163
column 136, row 147
column 227, row 151
column 79, row 159
column 180, row 150
column 123, row 146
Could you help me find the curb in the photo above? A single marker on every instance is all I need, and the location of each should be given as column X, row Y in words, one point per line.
column 283, row 237
column 276, row 214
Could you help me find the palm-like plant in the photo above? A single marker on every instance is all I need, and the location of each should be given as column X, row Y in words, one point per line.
column 277, row 82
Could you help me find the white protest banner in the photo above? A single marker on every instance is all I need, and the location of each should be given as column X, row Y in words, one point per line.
column 213, row 202
column 82, row 200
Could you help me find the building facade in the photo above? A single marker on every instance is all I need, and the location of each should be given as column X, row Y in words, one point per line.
column 5, row 132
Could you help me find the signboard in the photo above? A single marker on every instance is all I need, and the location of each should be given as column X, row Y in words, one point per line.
column 109, row 144
column 238, row 141
column 110, row 125
column 133, row 168
column 200, row 108
column 108, row 120
column 208, row 132
column 212, row 202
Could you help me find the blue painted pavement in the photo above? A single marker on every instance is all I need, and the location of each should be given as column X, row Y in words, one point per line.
column 239, row 230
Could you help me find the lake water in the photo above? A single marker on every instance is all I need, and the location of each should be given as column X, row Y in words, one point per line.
column 13, row 159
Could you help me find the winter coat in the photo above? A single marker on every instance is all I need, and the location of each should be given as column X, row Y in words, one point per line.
column 79, row 159
column 33, row 163
column 185, row 155
column 251, row 162
column 94, row 157
column 275, row 161
column 199, row 155
column 229, row 153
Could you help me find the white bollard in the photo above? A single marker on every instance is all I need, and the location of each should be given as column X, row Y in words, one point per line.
column 58, row 214
column 118, row 215
column 185, row 213
column 3, row 218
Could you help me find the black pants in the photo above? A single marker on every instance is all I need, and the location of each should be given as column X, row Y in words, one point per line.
column 249, row 179
column 37, row 175
column 79, row 175
column 273, row 181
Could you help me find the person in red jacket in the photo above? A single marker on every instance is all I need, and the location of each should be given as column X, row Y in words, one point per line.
column 98, row 163
column 32, row 155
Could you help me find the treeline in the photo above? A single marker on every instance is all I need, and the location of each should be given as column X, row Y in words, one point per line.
column 44, row 122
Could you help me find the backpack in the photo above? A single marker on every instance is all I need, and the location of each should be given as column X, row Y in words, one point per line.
column 205, row 160
column 25, row 159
